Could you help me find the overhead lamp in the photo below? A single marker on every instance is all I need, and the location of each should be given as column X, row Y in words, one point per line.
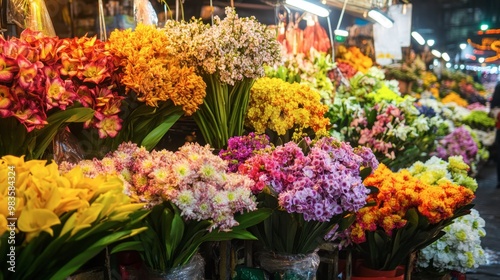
column 436, row 53
column 309, row 7
column 418, row 37
column 445, row 56
column 463, row 46
column 341, row 32
column 431, row 42
column 381, row 18
column 481, row 59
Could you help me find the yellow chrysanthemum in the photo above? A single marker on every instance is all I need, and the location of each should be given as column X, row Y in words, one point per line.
column 281, row 106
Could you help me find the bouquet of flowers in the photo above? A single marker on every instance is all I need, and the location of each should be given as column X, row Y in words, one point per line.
column 191, row 196
column 407, row 215
column 458, row 142
column 435, row 171
column 460, row 248
column 240, row 148
column 312, row 71
column 396, row 131
column 453, row 97
column 310, row 192
column 46, row 84
column 285, row 110
column 478, row 119
column 52, row 224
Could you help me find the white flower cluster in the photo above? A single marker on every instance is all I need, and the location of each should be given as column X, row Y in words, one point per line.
column 459, row 249
column 238, row 48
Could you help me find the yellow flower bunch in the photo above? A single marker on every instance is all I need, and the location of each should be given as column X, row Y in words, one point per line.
column 281, row 106
column 428, row 78
column 153, row 71
column 435, row 92
column 455, row 97
column 41, row 195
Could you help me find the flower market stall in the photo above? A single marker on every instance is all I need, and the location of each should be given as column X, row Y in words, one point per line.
column 282, row 153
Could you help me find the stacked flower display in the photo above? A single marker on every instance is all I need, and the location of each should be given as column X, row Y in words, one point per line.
column 373, row 114
column 45, row 83
column 192, row 197
column 53, row 224
column 408, row 214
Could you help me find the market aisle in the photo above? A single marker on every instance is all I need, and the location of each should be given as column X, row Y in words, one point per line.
column 488, row 204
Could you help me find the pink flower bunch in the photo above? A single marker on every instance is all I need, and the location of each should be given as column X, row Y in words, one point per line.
column 39, row 74
column 193, row 178
column 374, row 136
column 458, row 143
column 321, row 184
column 240, row 148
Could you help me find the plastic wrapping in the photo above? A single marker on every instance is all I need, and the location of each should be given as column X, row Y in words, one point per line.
column 194, row 270
column 32, row 14
column 66, row 148
column 144, row 12
column 290, row 267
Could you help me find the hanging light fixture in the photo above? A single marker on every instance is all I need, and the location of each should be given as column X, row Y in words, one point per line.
column 309, row 7
column 380, row 17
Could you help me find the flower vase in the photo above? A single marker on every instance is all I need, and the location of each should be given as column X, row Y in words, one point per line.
column 362, row 272
column 194, row 270
column 290, row 267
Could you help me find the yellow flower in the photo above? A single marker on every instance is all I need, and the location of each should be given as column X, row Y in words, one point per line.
column 281, row 106
column 33, row 221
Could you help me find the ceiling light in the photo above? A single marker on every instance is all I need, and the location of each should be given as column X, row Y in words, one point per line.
column 445, row 56
column 481, row 59
column 381, row 18
column 341, row 32
column 436, row 53
column 418, row 37
column 431, row 42
column 309, row 7
column 463, row 46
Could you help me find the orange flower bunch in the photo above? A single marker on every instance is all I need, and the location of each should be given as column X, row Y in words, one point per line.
column 153, row 71
column 398, row 193
column 455, row 97
column 353, row 56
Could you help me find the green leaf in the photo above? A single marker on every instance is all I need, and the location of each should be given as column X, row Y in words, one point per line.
column 252, row 218
column 153, row 137
column 128, row 246
column 55, row 122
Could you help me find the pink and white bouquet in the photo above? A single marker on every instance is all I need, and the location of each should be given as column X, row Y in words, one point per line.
column 190, row 194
